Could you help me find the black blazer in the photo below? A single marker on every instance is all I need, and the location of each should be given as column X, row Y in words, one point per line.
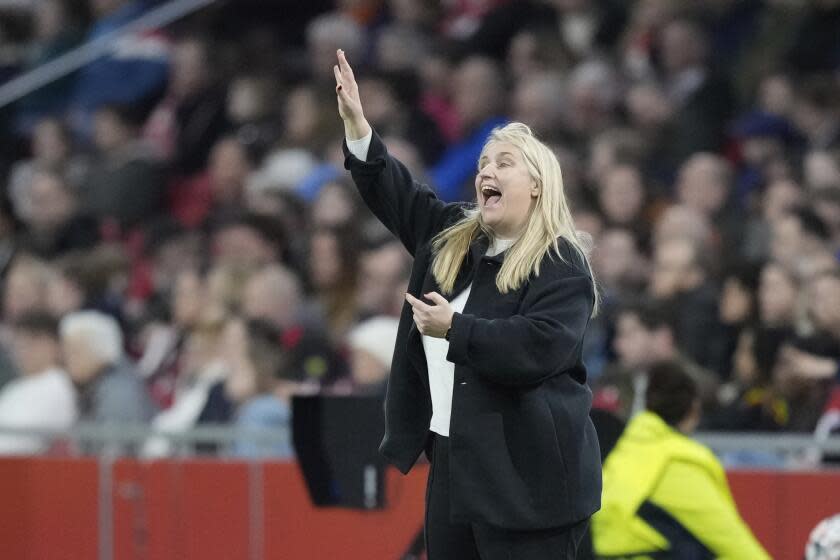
column 524, row 454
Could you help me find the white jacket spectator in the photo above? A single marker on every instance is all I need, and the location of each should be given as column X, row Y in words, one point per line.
column 43, row 397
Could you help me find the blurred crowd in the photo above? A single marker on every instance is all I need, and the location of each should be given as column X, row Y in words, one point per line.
column 180, row 244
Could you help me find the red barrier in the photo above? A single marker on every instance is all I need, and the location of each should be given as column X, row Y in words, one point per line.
column 200, row 510
column 783, row 507
column 48, row 509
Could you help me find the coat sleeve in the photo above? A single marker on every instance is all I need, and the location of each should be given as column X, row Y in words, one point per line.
column 410, row 210
column 523, row 349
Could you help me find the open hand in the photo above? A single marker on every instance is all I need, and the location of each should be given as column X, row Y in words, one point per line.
column 431, row 319
column 349, row 103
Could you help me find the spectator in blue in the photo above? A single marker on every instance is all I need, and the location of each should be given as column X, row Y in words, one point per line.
column 263, row 386
column 56, row 32
column 133, row 71
column 478, row 91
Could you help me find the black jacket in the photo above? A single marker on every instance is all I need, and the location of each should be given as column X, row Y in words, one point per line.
column 524, row 452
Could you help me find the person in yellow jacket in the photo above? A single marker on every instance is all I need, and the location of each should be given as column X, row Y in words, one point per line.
column 665, row 495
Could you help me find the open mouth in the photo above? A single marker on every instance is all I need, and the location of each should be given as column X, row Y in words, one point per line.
column 491, row 195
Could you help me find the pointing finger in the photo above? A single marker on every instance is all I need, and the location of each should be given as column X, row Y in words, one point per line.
column 437, row 298
column 415, row 303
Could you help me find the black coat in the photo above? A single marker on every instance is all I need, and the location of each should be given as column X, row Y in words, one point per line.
column 524, row 452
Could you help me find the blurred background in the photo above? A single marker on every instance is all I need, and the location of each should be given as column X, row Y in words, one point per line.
column 181, row 248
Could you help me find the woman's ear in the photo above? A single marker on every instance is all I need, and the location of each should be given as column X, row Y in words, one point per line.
column 535, row 189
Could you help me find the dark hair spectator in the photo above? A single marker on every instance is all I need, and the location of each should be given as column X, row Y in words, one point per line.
column 671, row 392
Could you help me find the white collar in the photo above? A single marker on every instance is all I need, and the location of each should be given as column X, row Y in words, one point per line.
column 499, row 245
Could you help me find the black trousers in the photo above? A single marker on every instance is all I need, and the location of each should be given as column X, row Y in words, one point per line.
column 446, row 540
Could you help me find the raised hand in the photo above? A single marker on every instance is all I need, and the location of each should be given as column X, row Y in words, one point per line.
column 349, row 103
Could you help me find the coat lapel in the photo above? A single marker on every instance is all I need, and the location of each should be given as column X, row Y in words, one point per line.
column 414, row 341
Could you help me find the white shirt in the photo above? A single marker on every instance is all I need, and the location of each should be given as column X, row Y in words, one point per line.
column 184, row 412
column 44, row 400
column 360, row 147
column 441, row 371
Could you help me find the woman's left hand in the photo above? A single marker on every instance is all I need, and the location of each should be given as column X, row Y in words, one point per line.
column 431, row 320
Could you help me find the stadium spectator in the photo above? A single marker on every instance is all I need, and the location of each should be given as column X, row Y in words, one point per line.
column 394, row 111
column 56, row 30
column 808, row 367
column 383, row 279
column 705, row 184
column 133, row 73
column 816, row 114
column 753, row 401
column 479, row 102
column 191, row 117
column 593, row 93
column 701, row 99
column 680, row 282
column 622, row 199
column 54, row 223
column 538, row 101
column 325, row 34
column 125, row 184
column 336, row 205
column 663, row 492
column 644, row 336
column 202, row 198
column 109, row 389
column 203, row 367
column 245, row 241
column 371, row 348
column 334, row 276
column 263, row 388
column 43, row 396
column 51, row 148
column 251, row 114
column 274, row 295
column 778, row 296
column 25, row 287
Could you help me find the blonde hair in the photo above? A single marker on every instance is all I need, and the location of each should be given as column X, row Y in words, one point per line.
column 550, row 219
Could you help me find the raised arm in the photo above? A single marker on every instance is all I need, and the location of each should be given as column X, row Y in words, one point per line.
column 407, row 208
column 356, row 126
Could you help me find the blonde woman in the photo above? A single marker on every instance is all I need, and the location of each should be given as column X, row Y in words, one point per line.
column 487, row 374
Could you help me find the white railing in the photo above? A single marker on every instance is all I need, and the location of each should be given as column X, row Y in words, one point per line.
column 125, row 436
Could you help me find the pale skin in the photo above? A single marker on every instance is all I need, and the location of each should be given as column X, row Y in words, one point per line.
column 505, row 191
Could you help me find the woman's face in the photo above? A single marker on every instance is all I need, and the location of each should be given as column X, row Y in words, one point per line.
column 746, row 368
column 48, row 142
column 187, row 298
column 325, row 260
column 621, row 195
column 505, row 191
column 301, row 113
column 333, row 207
column 825, row 303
